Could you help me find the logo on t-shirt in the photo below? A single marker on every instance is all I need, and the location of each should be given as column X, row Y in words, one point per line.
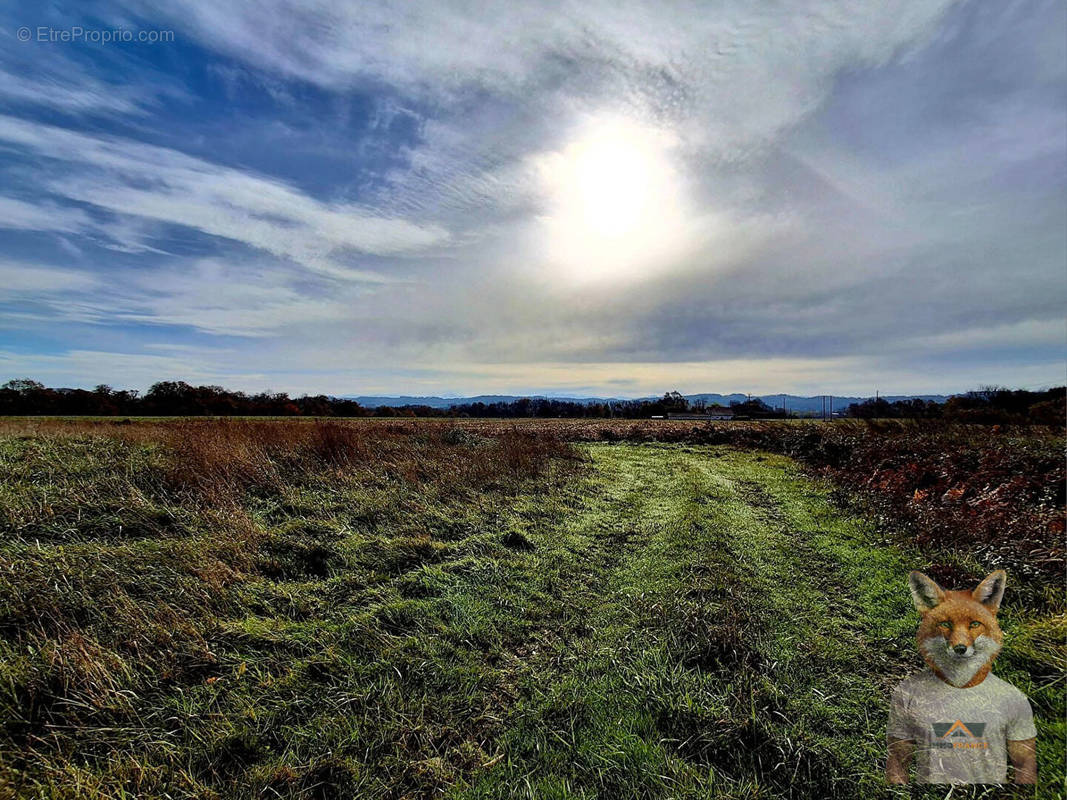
column 959, row 735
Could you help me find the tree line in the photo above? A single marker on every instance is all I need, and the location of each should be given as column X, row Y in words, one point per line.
column 989, row 405
column 26, row 397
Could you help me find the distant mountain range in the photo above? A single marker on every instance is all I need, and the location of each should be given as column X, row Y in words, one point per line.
column 792, row 402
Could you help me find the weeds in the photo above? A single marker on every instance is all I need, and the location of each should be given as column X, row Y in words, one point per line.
column 129, row 552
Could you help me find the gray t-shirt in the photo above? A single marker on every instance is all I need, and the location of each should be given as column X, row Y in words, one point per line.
column 960, row 735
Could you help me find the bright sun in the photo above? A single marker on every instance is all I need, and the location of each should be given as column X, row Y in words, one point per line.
column 613, row 202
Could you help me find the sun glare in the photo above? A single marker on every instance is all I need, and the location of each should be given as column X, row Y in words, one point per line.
column 613, row 201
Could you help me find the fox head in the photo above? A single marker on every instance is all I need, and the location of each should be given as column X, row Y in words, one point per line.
column 958, row 634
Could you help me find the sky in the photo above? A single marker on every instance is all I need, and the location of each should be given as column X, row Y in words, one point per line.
column 588, row 198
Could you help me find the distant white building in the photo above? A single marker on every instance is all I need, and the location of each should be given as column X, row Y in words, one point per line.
column 712, row 412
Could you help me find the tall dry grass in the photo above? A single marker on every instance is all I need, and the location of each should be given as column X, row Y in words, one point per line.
column 125, row 545
column 222, row 460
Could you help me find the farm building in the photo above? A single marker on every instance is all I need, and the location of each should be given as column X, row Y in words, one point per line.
column 713, row 412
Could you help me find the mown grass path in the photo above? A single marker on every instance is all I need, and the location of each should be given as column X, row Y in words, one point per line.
column 720, row 629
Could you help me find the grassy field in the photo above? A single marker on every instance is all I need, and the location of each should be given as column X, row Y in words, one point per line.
column 326, row 611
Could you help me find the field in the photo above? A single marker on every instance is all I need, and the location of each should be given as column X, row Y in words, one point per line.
column 479, row 609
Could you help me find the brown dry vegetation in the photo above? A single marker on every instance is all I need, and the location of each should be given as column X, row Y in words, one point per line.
column 127, row 546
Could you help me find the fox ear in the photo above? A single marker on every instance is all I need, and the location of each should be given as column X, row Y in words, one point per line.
column 925, row 592
column 991, row 591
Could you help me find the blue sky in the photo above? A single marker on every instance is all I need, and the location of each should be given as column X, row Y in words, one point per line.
column 574, row 198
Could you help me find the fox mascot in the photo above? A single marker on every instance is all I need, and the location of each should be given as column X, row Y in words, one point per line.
column 960, row 722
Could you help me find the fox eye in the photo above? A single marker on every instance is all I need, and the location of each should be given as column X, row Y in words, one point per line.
column 976, row 624
column 945, row 624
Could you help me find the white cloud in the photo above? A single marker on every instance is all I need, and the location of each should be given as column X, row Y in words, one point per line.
column 161, row 184
column 207, row 296
column 1051, row 333
column 217, row 298
column 20, row 215
column 746, row 68
column 19, row 279
column 70, row 94
column 507, row 82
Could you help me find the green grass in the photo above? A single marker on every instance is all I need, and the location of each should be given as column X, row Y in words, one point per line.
column 660, row 621
column 739, row 639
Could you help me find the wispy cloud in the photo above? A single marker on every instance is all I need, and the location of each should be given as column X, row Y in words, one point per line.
column 20, row 279
column 44, row 216
column 208, row 296
column 162, row 184
column 218, row 298
column 83, row 96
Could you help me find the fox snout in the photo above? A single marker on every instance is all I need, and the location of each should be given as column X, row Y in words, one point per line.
column 959, row 643
column 961, row 650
